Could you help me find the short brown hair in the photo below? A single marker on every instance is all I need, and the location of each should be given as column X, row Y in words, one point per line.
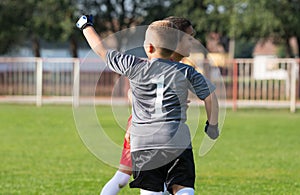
column 163, row 34
column 181, row 23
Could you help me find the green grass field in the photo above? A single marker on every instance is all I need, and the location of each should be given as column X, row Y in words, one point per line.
column 42, row 153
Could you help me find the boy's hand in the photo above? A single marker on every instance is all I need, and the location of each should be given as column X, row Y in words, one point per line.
column 211, row 130
column 84, row 21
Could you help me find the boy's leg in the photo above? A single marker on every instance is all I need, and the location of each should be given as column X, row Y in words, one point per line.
column 115, row 184
column 181, row 174
column 146, row 176
column 122, row 176
column 147, row 192
column 185, row 191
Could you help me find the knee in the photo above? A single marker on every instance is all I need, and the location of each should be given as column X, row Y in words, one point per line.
column 181, row 190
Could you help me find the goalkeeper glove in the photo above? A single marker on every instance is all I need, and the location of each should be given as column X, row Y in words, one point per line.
column 212, row 130
column 84, row 21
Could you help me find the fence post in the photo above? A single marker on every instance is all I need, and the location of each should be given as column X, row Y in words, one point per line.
column 234, row 85
column 294, row 72
column 76, row 82
column 39, row 81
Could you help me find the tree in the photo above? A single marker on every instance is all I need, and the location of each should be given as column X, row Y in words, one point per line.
column 244, row 19
column 206, row 16
column 52, row 20
column 158, row 10
column 111, row 16
column 116, row 15
column 36, row 20
column 264, row 19
column 12, row 20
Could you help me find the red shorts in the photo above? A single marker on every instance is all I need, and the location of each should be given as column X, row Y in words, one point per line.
column 125, row 161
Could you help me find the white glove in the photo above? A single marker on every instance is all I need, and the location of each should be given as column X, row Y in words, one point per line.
column 84, row 21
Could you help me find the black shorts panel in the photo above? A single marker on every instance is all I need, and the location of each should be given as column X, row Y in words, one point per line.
column 182, row 171
column 154, row 168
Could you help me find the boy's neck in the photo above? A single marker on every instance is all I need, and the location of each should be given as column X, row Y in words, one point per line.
column 153, row 56
column 176, row 57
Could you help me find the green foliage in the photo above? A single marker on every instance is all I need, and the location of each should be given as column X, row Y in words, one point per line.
column 244, row 19
column 244, row 48
column 22, row 21
column 208, row 16
column 53, row 20
column 196, row 12
column 113, row 16
column 41, row 153
column 268, row 18
column 12, row 20
column 281, row 51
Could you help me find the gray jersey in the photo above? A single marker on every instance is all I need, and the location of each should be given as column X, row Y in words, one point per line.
column 159, row 95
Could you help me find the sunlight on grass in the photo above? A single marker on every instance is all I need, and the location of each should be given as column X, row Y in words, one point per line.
column 42, row 153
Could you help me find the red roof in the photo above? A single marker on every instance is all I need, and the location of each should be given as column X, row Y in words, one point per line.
column 265, row 47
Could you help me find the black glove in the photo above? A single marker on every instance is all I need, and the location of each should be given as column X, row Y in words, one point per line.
column 212, row 130
column 84, row 21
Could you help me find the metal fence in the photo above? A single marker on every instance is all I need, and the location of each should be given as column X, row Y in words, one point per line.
column 41, row 79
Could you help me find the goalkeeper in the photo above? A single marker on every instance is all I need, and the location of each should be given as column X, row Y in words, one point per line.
column 162, row 116
column 122, row 175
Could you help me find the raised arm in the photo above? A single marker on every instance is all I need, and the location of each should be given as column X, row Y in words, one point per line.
column 85, row 23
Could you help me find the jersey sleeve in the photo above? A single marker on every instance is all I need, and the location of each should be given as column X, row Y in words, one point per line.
column 121, row 63
column 200, row 85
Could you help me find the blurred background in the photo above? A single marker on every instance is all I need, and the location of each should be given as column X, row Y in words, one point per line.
column 253, row 44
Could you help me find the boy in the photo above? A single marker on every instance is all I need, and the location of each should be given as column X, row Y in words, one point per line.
column 122, row 175
column 160, row 140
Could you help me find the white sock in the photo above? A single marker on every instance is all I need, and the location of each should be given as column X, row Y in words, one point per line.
column 185, row 191
column 114, row 185
column 165, row 190
column 147, row 192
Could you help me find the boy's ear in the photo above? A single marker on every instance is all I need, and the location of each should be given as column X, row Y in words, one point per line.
column 151, row 48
